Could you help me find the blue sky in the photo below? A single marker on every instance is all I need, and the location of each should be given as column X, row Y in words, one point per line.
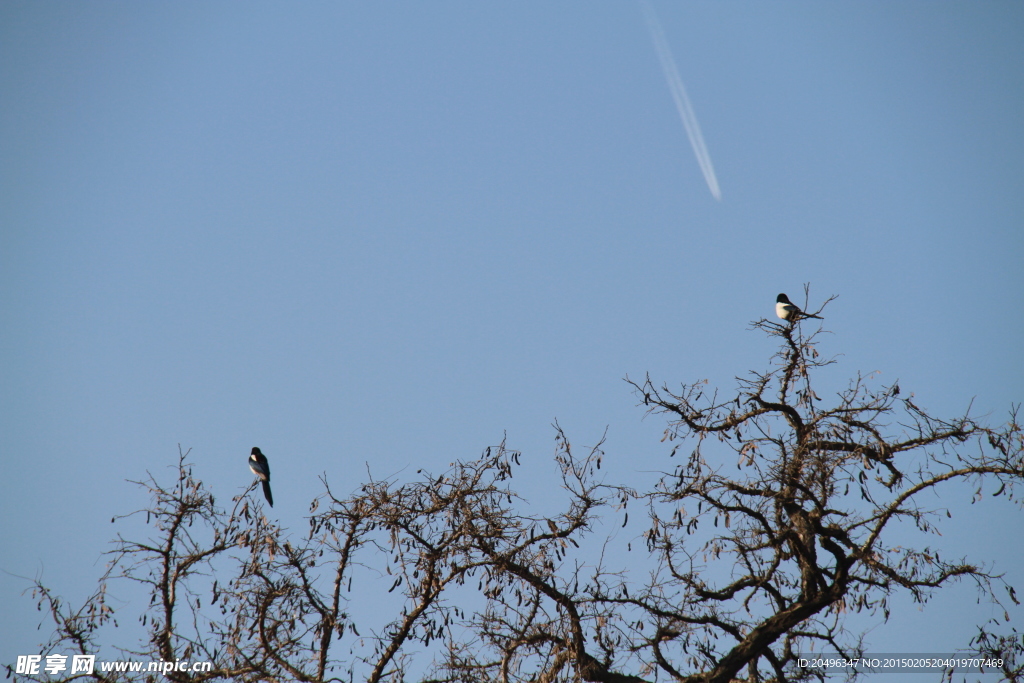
column 384, row 235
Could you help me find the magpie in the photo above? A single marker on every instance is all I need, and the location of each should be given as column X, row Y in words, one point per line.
column 261, row 468
column 787, row 310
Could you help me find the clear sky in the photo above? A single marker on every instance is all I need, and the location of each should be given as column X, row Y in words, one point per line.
column 364, row 235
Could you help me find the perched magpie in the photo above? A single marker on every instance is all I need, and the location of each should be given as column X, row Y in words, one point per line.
column 787, row 310
column 261, row 468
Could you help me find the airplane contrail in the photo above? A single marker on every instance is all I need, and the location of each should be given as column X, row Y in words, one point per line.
column 675, row 85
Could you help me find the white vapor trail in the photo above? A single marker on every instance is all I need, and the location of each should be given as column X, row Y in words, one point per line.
column 675, row 85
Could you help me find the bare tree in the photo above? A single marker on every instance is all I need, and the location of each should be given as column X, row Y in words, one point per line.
column 803, row 524
column 771, row 532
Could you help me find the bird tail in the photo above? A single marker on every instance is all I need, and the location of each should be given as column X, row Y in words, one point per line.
column 266, row 492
